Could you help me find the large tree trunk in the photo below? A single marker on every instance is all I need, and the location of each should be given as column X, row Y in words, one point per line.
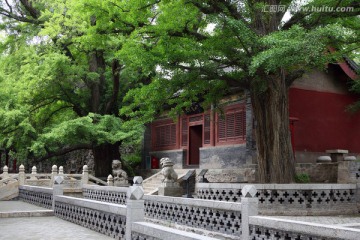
column 275, row 154
column 103, row 156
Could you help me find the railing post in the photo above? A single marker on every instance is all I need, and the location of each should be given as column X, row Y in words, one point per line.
column 53, row 174
column 33, row 173
column 5, row 171
column 85, row 175
column 21, row 175
column 58, row 188
column 134, row 206
column 249, row 207
column 61, row 170
column 110, row 180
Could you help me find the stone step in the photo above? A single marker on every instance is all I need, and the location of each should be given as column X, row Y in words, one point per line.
column 34, row 213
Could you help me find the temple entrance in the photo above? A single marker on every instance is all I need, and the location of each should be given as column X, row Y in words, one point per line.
column 195, row 143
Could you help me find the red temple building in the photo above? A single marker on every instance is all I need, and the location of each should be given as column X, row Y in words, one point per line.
column 207, row 139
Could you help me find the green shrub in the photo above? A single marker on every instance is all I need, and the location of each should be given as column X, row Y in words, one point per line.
column 302, row 178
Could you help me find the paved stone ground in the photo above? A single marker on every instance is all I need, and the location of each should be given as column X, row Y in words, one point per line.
column 45, row 228
column 9, row 206
column 40, row 228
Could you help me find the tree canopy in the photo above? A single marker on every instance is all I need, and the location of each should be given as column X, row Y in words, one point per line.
column 64, row 78
column 208, row 48
column 68, row 66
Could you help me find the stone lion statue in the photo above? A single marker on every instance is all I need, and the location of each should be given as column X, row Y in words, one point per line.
column 120, row 176
column 168, row 172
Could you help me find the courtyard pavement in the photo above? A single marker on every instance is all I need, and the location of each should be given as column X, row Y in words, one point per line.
column 41, row 226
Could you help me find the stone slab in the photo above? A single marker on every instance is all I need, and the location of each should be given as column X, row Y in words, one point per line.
column 161, row 232
column 341, row 151
column 92, row 204
column 170, row 191
column 307, row 186
column 221, row 205
column 315, row 229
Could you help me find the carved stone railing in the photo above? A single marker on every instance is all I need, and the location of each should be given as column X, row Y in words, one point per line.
column 105, row 193
column 71, row 181
column 289, row 199
column 111, row 219
column 106, row 218
column 282, row 229
column 222, row 218
column 39, row 196
column 213, row 216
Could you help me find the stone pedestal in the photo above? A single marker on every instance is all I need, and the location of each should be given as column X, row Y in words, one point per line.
column 337, row 155
column 170, row 189
column 346, row 170
column 121, row 183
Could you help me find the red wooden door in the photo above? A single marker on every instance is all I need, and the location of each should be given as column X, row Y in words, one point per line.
column 195, row 143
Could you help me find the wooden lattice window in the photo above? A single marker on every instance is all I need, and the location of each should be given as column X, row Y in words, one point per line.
column 164, row 135
column 231, row 126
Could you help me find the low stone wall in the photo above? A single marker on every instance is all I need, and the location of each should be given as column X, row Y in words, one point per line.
column 247, row 173
column 39, row 196
column 106, row 218
column 273, row 228
column 289, row 199
column 319, row 172
column 225, row 157
column 105, row 194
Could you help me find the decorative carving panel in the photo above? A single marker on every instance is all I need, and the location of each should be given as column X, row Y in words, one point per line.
column 106, row 223
column 292, row 198
column 262, row 233
column 227, row 222
column 105, row 196
column 37, row 198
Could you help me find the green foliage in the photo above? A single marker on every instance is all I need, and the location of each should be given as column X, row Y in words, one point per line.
column 49, row 98
column 302, row 178
column 237, row 53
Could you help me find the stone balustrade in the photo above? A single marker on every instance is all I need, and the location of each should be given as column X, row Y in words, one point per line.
column 71, row 181
column 209, row 219
column 212, row 216
column 39, row 196
column 105, row 193
column 289, row 199
column 106, row 218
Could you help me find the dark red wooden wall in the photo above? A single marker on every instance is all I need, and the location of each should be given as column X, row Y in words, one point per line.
column 324, row 123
